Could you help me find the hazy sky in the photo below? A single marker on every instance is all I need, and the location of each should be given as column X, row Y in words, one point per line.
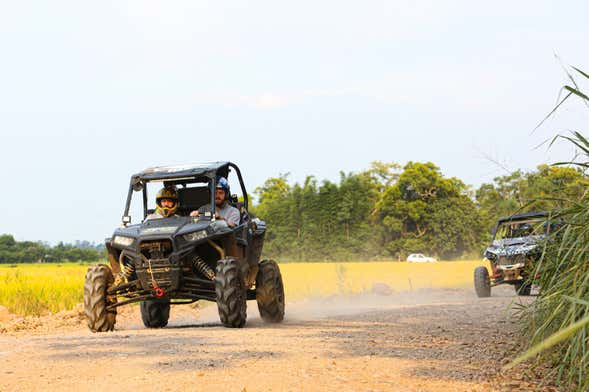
column 91, row 92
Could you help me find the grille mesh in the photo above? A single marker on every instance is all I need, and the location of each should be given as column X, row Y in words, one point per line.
column 510, row 260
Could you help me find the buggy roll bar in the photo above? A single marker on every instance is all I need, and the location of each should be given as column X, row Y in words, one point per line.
column 241, row 184
column 213, row 184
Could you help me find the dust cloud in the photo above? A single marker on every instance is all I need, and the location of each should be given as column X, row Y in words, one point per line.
column 312, row 309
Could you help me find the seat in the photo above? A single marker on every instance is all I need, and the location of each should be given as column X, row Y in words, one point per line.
column 190, row 199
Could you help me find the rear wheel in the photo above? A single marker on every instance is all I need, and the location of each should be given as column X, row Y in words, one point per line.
column 522, row 288
column 231, row 293
column 98, row 279
column 482, row 283
column 270, row 292
column 155, row 313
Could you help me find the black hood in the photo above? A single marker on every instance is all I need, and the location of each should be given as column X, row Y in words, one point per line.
column 168, row 227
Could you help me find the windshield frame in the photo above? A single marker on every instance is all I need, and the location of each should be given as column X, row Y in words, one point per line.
column 535, row 223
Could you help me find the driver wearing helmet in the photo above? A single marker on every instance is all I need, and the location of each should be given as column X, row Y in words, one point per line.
column 223, row 210
column 166, row 202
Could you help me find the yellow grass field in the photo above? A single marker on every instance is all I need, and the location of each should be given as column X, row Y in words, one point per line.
column 34, row 289
column 302, row 280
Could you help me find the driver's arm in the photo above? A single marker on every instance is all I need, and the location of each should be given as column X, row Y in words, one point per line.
column 201, row 210
column 233, row 217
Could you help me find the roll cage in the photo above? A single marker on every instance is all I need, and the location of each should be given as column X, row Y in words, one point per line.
column 182, row 175
column 529, row 217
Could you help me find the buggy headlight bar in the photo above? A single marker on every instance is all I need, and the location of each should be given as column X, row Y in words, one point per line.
column 123, row 241
column 195, row 236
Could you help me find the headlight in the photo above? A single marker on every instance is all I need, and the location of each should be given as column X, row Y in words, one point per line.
column 197, row 235
column 123, row 241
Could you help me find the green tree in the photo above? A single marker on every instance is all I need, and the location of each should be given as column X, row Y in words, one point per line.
column 12, row 251
column 426, row 212
column 328, row 221
column 547, row 188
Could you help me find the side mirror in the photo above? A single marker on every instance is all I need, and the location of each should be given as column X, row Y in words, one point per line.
column 126, row 220
column 137, row 184
column 234, row 199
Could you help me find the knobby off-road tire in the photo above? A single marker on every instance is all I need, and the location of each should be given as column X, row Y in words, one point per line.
column 155, row 313
column 270, row 292
column 231, row 293
column 482, row 283
column 98, row 279
column 522, row 288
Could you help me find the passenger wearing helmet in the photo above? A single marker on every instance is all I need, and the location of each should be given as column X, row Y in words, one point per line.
column 223, row 210
column 166, row 202
column 524, row 230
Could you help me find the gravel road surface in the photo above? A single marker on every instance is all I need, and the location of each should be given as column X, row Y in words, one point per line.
column 426, row 340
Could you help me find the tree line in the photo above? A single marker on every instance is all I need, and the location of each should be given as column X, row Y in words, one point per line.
column 12, row 251
column 389, row 211
column 385, row 212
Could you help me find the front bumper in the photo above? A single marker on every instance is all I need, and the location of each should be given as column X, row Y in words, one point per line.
column 159, row 273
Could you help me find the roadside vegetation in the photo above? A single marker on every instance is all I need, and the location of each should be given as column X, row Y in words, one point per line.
column 557, row 323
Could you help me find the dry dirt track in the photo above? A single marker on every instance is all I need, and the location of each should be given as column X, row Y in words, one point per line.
column 437, row 340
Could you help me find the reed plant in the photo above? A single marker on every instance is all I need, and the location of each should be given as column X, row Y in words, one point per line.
column 556, row 324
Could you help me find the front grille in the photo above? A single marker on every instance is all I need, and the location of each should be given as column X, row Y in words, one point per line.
column 160, row 249
column 160, row 269
column 155, row 265
column 511, row 260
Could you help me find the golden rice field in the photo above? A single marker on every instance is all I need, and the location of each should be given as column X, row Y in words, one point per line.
column 34, row 289
column 302, row 280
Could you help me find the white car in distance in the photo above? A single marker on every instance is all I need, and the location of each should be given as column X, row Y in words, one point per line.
column 420, row 258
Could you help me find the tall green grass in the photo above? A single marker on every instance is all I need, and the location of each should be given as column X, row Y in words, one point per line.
column 556, row 325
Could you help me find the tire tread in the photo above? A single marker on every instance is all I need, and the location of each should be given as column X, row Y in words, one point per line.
column 98, row 279
column 482, row 283
column 270, row 292
column 231, row 293
column 155, row 313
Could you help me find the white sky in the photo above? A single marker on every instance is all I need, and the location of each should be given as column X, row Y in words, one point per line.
column 91, row 92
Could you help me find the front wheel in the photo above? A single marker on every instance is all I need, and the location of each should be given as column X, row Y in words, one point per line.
column 270, row 292
column 231, row 293
column 155, row 313
column 482, row 283
column 98, row 279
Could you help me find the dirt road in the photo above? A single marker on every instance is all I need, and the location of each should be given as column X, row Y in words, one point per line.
column 436, row 340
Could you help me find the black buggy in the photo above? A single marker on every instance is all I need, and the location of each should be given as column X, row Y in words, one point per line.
column 183, row 259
